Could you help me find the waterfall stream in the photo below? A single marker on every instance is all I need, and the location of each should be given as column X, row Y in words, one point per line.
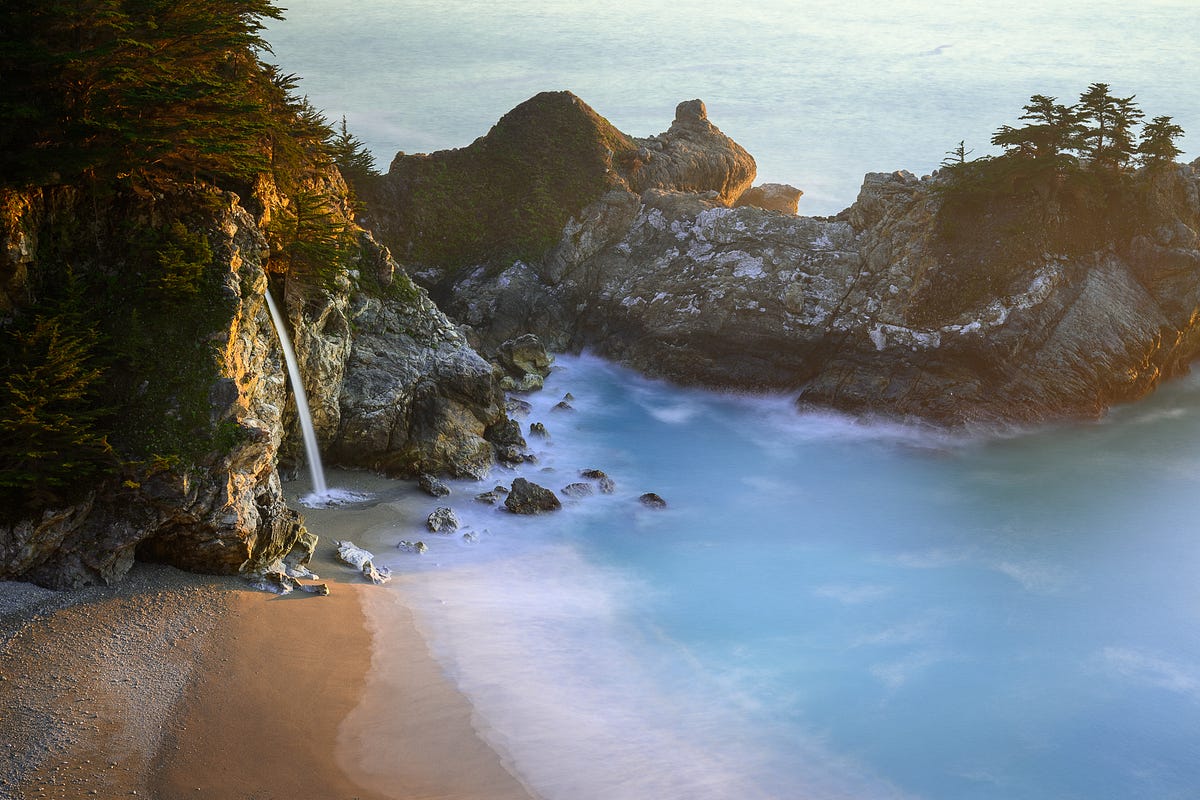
column 306, row 425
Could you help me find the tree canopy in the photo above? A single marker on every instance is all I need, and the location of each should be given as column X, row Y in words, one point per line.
column 109, row 88
column 1097, row 133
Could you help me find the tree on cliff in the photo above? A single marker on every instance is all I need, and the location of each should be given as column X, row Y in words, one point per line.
column 114, row 87
column 1108, row 127
column 51, row 441
column 1157, row 146
column 1052, row 132
column 352, row 157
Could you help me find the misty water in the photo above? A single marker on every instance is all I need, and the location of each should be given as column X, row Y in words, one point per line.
column 827, row 608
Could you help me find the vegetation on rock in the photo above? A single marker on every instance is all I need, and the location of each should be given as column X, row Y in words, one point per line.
column 1065, row 184
column 508, row 195
column 129, row 121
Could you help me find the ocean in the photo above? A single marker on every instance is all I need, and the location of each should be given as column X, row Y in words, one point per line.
column 826, row 608
column 820, row 93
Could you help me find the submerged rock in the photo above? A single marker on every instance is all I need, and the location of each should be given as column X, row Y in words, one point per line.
column 563, row 405
column 376, row 575
column 538, row 429
column 529, row 498
column 578, row 490
column 442, row 520
column 492, row 497
column 606, row 483
column 411, row 547
column 432, row 486
column 355, row 556
column 652, row 500
column 515, row 406
column 529, row 382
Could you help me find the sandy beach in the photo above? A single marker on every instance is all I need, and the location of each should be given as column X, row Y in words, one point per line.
column 172, row 685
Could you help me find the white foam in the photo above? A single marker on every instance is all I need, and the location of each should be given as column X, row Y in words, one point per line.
column 587, row 705
column 331, row 498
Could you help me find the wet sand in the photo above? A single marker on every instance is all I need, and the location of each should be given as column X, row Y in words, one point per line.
column 174, row 685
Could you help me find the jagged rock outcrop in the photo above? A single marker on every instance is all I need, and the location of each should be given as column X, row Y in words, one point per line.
column 225, row 512
column 415, row 397
column 878, row 310
column 693, row 156
column 400, row 390
column 508, row 195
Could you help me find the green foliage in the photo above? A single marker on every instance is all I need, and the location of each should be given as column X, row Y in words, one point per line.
column 1157, row 146
column 182, row 260
column 352, row 158
column 1052, row 130
column 52, row 439
column 311, row 239
column 131, row 89
column 1062, row 186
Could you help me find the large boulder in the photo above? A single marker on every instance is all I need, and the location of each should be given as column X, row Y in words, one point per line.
column 415, row 398
column 693, row 156
column 526, row 497
column 772, row 197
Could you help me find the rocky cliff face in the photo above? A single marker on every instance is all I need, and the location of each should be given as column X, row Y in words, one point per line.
column 867, row 311
column 223, row 512
column 392, row 384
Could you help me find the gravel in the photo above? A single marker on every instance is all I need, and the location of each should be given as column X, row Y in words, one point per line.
column 89, row 677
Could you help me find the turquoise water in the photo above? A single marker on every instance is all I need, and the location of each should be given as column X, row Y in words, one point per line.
column 828, row 608
column 819, row 92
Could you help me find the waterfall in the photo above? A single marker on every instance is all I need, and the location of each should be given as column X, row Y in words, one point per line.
column 306, row 425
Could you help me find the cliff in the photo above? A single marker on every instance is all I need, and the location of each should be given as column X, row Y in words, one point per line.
column 196, row 409
column 912, row 302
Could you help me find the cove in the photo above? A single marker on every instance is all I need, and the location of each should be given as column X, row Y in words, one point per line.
column 826, row 607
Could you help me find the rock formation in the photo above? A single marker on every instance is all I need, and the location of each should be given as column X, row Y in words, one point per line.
column 883, row 309
column 392, row 383
column 772, row 197
column 223, row 513
column 527, row 497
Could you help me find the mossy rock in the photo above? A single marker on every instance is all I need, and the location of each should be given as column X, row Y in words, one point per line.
column 506, row 196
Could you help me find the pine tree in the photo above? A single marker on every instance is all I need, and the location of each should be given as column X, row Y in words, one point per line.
column 49, row 437
column 351, row 156
column 310, row 238
column 1052, row 131
column 1108, row 139
column 113, row 87
column 1157, row 146
column 958, row 156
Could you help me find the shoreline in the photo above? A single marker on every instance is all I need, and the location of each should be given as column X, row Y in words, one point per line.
column 173, row 685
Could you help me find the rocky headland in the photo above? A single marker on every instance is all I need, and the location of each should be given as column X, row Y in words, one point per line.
column 913, row 302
